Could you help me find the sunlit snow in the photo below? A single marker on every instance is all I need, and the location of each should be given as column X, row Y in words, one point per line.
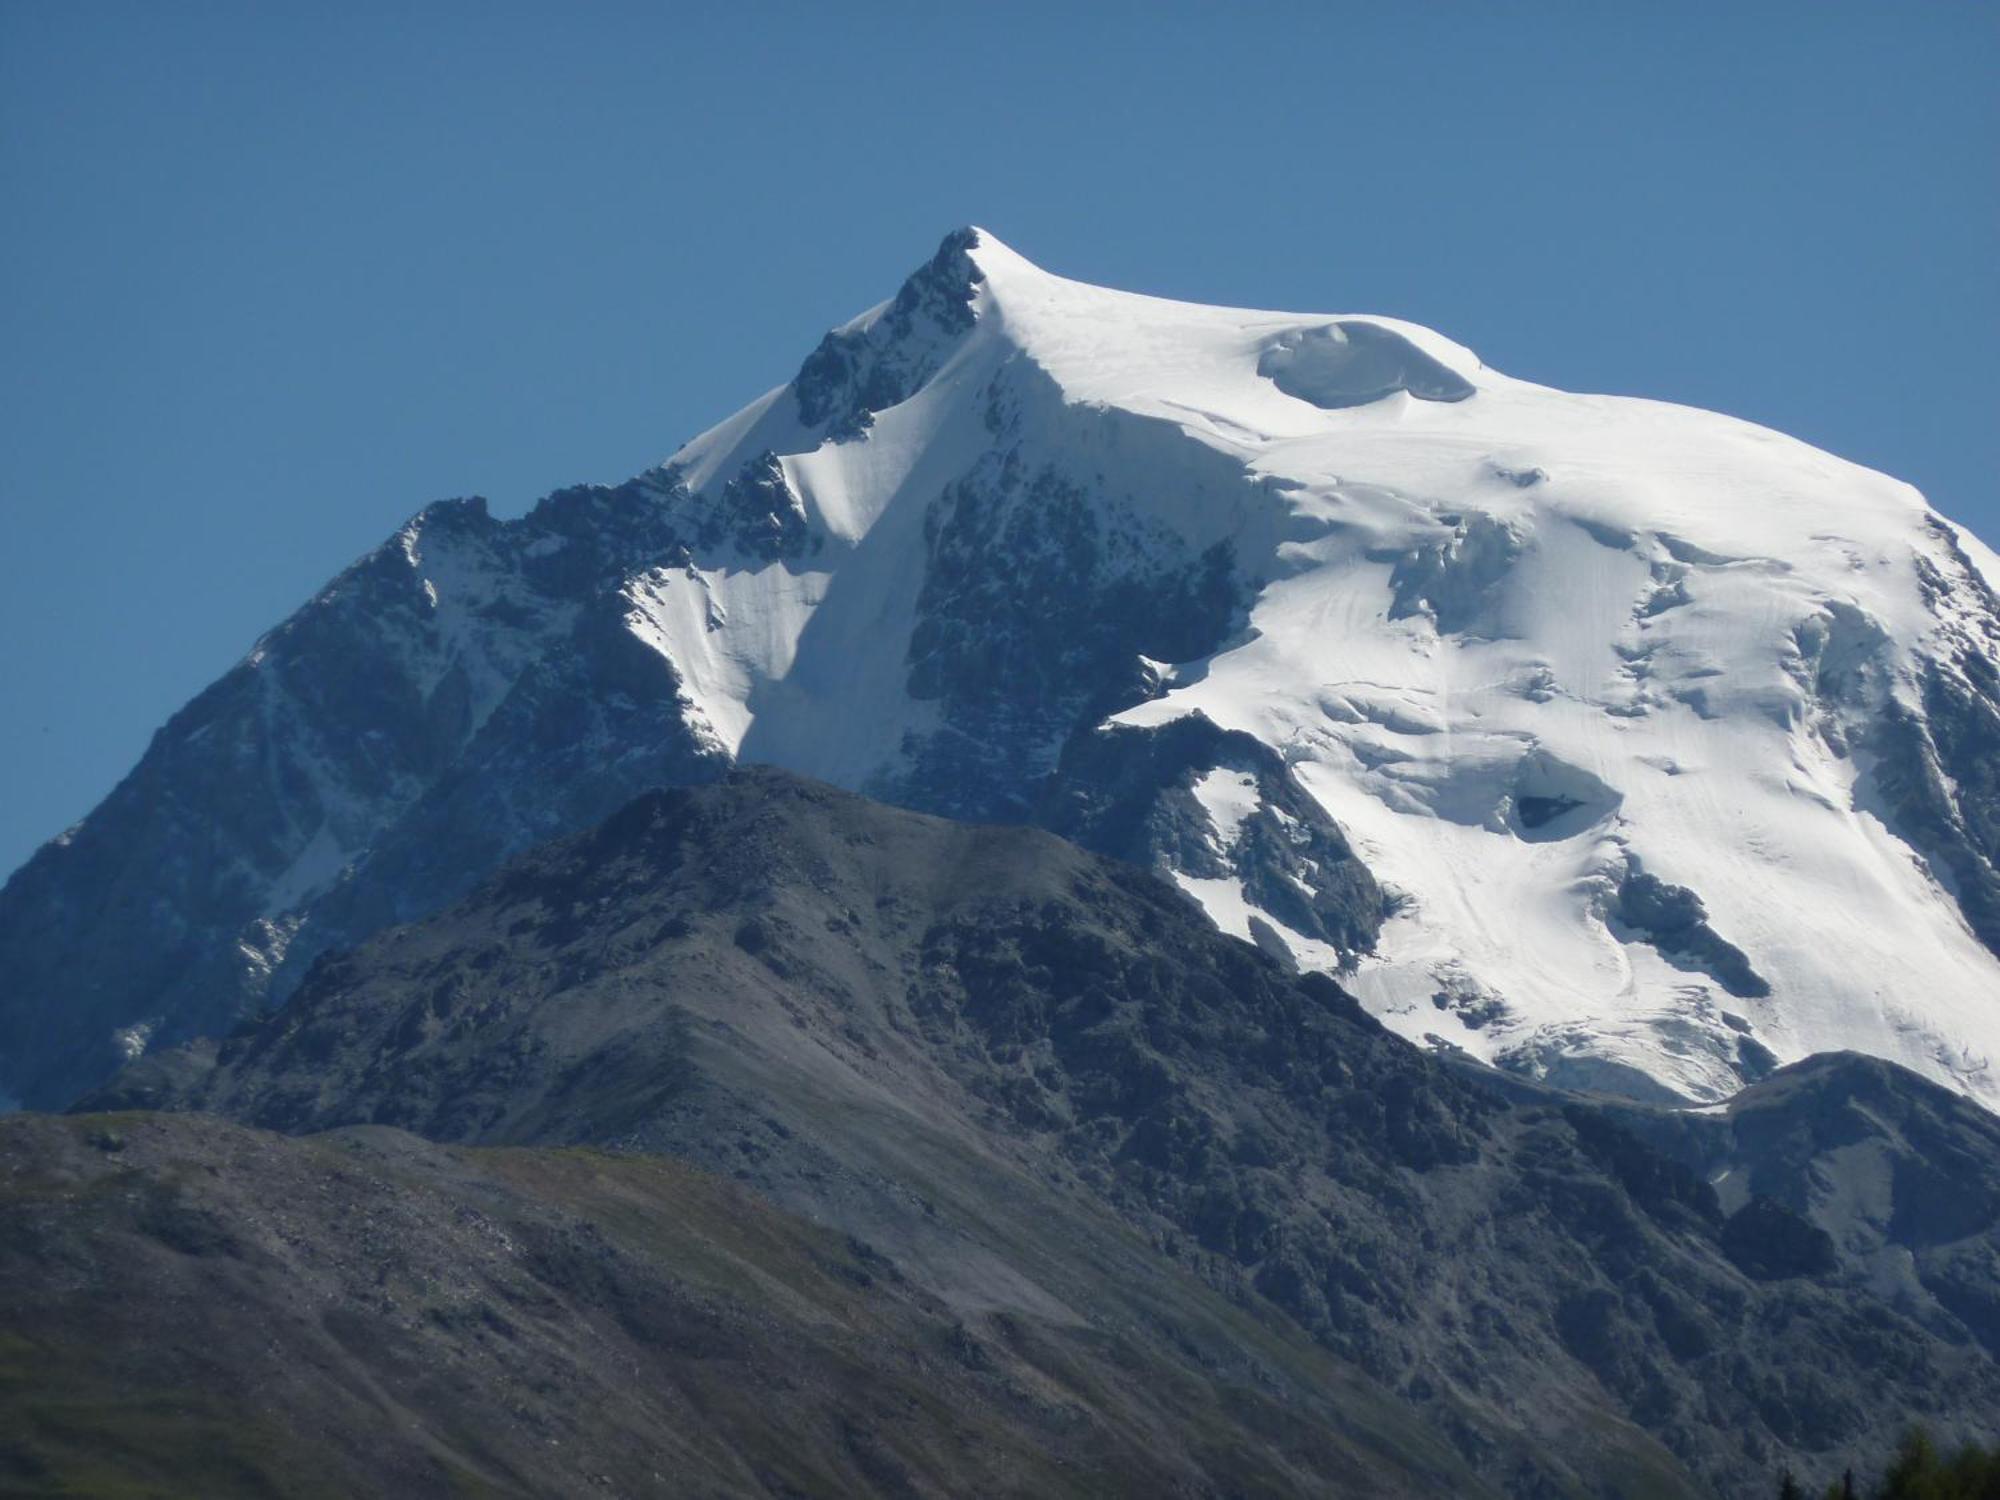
column 1516, row 641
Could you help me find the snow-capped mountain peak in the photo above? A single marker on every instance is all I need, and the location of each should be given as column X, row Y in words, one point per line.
column 1606, row 739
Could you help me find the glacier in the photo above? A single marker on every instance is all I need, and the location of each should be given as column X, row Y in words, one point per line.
column 1626, row 745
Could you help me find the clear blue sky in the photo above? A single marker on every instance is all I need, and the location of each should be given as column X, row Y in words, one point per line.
column 273, row 276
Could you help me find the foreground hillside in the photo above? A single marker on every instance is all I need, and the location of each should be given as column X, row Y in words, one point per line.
column 1046, row 1094
column 193, row 1308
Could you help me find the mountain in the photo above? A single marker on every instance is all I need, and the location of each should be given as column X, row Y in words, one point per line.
column 1105, row 1152
column 1624, row 745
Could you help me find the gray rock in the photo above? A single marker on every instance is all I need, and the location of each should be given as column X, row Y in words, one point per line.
column 950, row 1041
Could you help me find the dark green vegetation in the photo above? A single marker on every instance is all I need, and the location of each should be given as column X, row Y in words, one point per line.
column 1134, row 1209
column 1919, row 1472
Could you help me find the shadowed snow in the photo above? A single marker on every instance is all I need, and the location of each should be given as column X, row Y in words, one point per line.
column 1351, row 363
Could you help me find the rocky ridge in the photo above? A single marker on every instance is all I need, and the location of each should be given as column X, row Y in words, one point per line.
column 974, row 1049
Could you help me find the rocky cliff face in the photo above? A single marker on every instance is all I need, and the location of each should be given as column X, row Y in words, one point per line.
column 973, row 1048
column 460, row 693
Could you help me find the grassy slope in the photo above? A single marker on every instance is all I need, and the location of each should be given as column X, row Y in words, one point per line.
column 192, row 1307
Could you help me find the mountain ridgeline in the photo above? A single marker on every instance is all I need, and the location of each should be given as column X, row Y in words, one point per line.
column 1075, row 1163
column 1094, row 896
column 1531, row 715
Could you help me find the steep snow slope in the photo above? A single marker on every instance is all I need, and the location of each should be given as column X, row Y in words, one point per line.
column 1674, row 743
column 1554, row 661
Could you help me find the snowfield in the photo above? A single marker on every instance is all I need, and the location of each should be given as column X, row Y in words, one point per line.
column 1522, row 645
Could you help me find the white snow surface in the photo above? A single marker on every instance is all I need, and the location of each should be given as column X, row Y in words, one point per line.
column 1230, row 799
column 1669, row 618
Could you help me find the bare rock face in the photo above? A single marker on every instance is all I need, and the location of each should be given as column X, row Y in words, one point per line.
column 1130, row 792
column 858, row 371
column 465, row 691
column 967, row 1046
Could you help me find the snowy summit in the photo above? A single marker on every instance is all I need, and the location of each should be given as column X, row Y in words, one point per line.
column 1616, row 742
column 1599, row 687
